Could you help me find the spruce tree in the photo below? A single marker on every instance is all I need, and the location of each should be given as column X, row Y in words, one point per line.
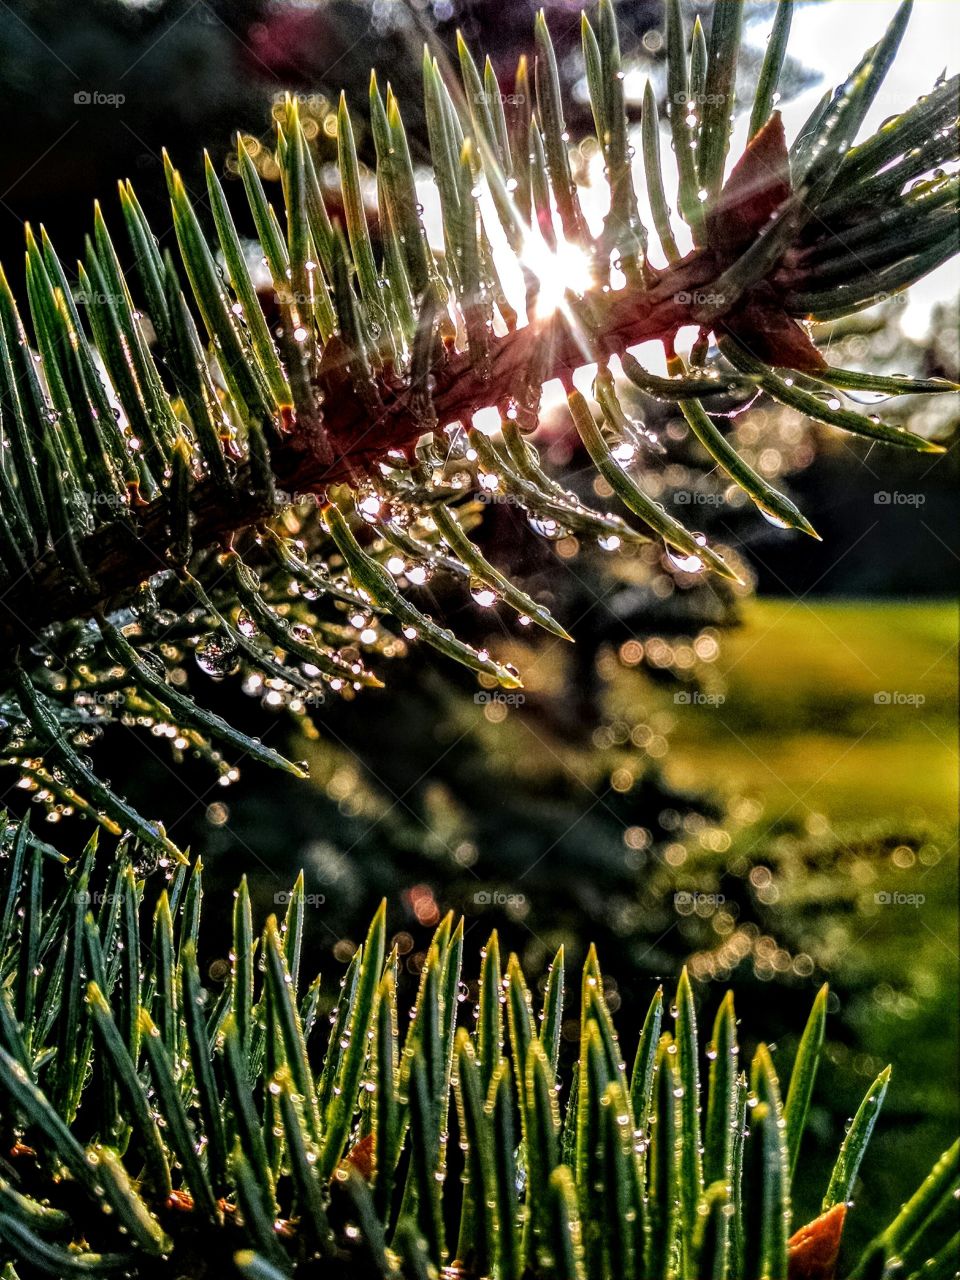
column 153, row 1126
column 184, row 471
column 248, row 491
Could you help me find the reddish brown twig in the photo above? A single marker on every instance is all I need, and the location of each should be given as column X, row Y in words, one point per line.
column 122, row 555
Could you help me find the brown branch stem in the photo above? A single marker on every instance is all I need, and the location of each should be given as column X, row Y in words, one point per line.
column 121, row 556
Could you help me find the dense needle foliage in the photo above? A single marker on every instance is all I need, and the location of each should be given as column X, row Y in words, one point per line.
column 188, row 467
column 185, row 471
column 154, row 1125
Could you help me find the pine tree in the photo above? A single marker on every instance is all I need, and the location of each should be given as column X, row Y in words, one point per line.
column 245, row 490
column 151, row 1126
column 184, row 471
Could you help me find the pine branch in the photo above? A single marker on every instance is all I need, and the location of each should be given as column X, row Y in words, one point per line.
column 151, row 1127
column 215, row 1127
column 364, row 414
column 126, row 554
column 384, row 344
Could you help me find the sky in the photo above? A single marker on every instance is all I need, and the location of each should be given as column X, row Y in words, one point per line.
column 829, row 37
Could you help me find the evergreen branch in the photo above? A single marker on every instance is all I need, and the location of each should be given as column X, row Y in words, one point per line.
column 247, row 1140
column 385, row 349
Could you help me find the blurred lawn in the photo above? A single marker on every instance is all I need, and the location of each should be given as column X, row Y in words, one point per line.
column 801, row 726
column 833, row 795
column 815, row 725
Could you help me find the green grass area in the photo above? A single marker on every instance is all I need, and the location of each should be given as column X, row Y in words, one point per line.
column 821, row 711
column 850, row 798
column 792, row 719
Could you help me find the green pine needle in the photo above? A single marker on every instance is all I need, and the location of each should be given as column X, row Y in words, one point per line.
column 247, row 1135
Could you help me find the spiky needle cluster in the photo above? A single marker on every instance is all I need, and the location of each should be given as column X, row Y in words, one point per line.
column 152, row 1126
column 168, row 464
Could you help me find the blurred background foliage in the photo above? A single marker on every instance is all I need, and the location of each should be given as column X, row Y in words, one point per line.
column 708, row 775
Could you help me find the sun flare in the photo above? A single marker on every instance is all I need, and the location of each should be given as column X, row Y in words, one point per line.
column 566, row 267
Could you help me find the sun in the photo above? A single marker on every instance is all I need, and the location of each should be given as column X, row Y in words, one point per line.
column 566, row 267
